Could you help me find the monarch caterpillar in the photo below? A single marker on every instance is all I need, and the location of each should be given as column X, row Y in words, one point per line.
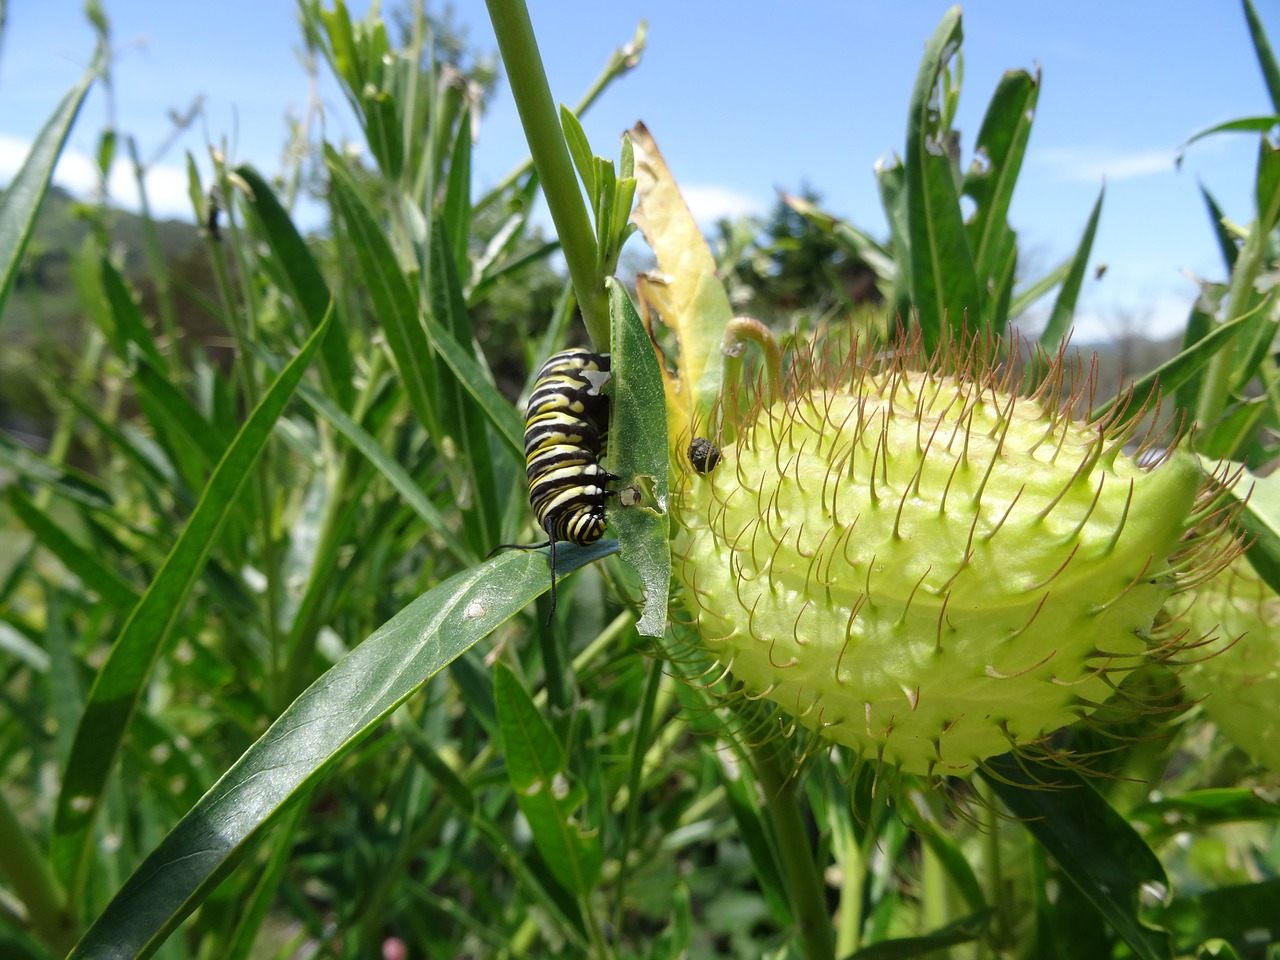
column 566, row 428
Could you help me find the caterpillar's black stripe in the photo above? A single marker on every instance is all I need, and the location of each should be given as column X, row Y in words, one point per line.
column 566, row 430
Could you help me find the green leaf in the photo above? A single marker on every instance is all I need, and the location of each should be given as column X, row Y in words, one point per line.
column 462, row 418
column 389, row 467
column 1171, row 374
column 1226, row 240
column 945, row 290
column 965, row 930
column 382, row 130
column 95, row 574
column 1260, row 522
column 300, row 277
column 395, row 302
column 124, row 673
column 638, row 454
column 1266, row 59
column 20, row 201
column 547, row 798
column 1095, row 847
column 326, row 721
column 1242, row 125
column 580, row 150
column 130, row 328
column 1202, row 809
column 1065, row 307
column 1001, row 145
column 1236, row 913
column 457, row 199
column 891, row 178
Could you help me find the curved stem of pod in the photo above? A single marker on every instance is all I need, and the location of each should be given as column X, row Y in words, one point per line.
column 738, row 334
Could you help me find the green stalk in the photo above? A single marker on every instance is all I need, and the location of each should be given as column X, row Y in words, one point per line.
column 624, row 59
column 541, row 122
column 800, row 871
column 159, row 270
column 33, row 883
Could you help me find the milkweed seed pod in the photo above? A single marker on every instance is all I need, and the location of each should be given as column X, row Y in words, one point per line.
column 926, row 567
column 1239, row 683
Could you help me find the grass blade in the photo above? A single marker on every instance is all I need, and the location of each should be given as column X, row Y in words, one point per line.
column 21, row 199
column 120, row 681
column 317, row 730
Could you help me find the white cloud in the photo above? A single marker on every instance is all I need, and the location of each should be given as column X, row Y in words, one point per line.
column 1092, row 165
column 709, row 203
column 77, row 173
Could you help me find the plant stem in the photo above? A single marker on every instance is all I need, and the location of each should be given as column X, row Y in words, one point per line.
column 800, row 871
column 33, row 883
column 624, row 58
column 541, row 122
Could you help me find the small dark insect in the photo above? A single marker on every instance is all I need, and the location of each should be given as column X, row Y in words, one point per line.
column 213, row 208
column 566, row 429
column 703, row 454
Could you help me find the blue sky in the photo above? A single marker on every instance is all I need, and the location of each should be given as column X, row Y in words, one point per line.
column 743, row 99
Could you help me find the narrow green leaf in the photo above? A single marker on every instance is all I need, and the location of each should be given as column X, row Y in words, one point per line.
column 1171, row 374
column 580, row 150
column 64, row 481
column 1226, row 240
column 547, row 798
column 990, row 181
column 1065, row 307
column 382, row 130
column 1200, row 321
column 1032, row 292
column 460, row 417
column 891, row 178
column 1202, row 809
column 467, row 372
column 1095, row 847
column 945, row 289
column 394, row 299
column 1237, row 913
column 1266, row 59
column 326, row 721
column 1260, row 522
column 457, row 199
column 129, row 324
column 95, row 575
column 123, row 675
column 965, row 930
column 389, row 467
column 638, row 453
column 252, row 914
column 21, row 199
column 301, row 278
column 1242, row 125
column 173, row 415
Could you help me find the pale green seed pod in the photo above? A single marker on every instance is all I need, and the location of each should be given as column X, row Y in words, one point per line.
column 1237, row 675
column 927, row 568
